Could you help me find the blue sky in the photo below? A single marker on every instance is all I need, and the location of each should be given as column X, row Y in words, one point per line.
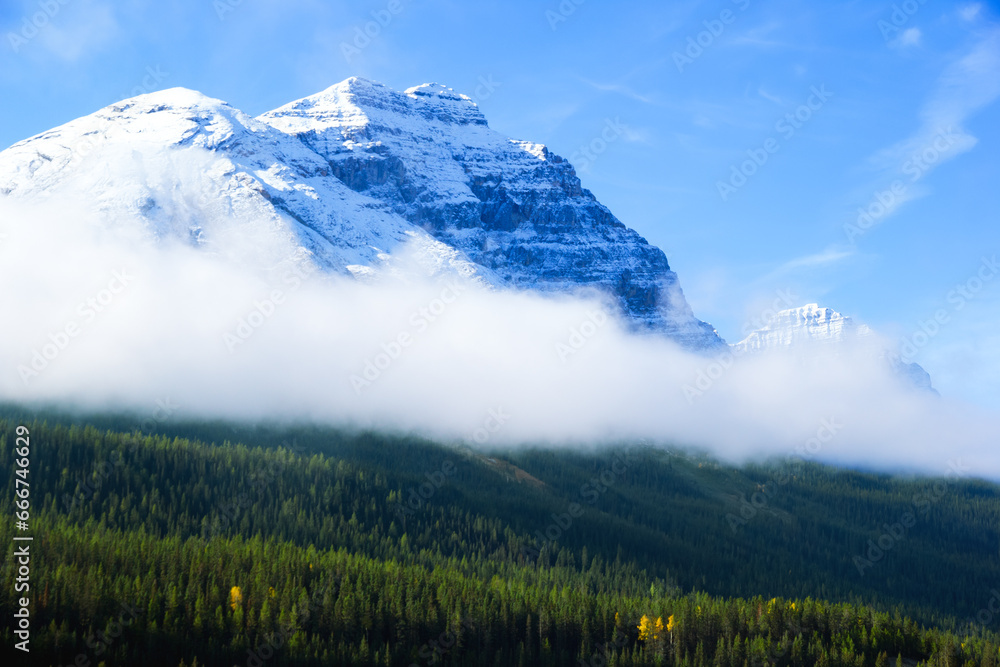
column 886, row 107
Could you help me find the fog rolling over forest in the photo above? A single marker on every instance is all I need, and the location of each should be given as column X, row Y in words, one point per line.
column 245, row 330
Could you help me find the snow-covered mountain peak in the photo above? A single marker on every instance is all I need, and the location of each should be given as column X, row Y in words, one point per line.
column 177, row 97
column 812, row 310
column 446, row 103
column 806, row 324
column 809, row 327
column 357, row 107
column 437, row 91
column 511, row 206
column 89, row 148
column 177, row 106
column 352, row 179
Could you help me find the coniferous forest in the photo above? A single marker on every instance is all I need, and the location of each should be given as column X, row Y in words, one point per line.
column 219, row 544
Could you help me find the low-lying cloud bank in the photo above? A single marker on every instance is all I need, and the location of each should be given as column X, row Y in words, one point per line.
column 99, row 316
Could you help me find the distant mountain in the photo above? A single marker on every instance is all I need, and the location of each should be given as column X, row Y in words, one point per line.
column 825, row 328
column 355, row 177
column 807, row 324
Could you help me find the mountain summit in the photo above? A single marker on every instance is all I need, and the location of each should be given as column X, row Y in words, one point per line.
column 511, row 206
column 813, row 327
column 798, row 326
column 353, row 175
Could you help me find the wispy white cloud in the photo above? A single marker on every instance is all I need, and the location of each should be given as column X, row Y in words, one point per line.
column 825, row 257
column 701, row 120
column 966, row 86
column 84, row 28
column 769, row 97
column 909, row 37
column 760, row 36
column 619, row 88
column 970, row 12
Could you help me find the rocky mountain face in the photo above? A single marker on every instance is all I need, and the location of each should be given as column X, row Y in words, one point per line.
column 511, row 206
column 353, row 175
column 826, row 329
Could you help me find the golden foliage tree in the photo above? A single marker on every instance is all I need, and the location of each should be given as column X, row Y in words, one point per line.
column 235, row 597
column 645, row 628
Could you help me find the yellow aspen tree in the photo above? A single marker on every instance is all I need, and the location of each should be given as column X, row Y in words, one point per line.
column 235, row 597
column 645, row 628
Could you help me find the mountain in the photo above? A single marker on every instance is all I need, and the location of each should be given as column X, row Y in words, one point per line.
column 807, row 324
column 826, row 329
column 180, row 165
column 512, row 206
column 356, row 177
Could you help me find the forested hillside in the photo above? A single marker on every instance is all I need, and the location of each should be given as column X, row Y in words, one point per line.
column 309, row 546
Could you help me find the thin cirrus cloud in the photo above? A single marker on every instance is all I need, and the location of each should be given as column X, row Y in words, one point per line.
column 826, row 257
column 64, row 31
column 966, row 85
column 970, row 12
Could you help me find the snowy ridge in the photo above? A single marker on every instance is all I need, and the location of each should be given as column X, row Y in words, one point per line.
column 142, row 158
